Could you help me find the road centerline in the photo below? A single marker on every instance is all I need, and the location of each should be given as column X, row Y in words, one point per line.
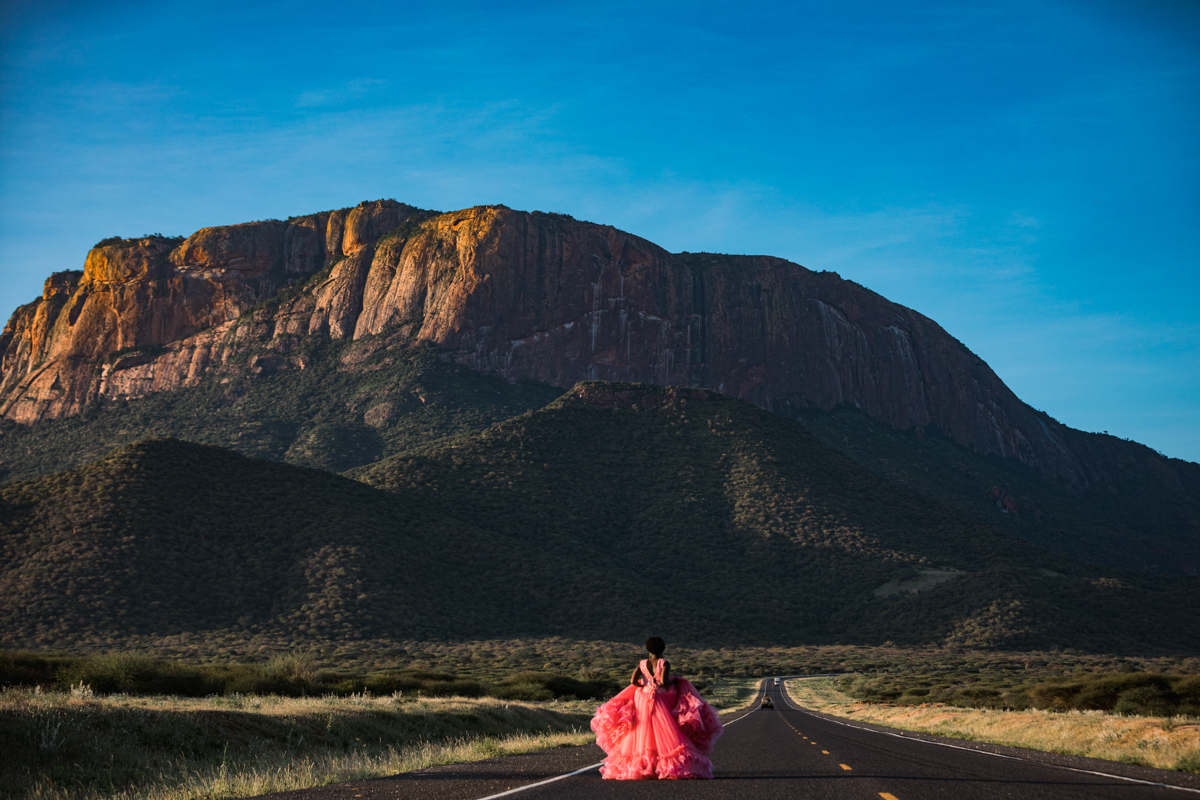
column 899, row 735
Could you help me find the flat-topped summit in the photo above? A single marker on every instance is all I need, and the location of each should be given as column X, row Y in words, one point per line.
column 521, row 295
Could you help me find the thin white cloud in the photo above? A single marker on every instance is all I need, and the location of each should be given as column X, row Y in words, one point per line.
column 347, row 92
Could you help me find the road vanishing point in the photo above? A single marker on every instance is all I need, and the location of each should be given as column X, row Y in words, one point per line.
column 790, row 752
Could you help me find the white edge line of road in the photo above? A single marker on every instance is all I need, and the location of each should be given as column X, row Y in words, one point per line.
column 542, row 783
column 829, row 718
column 586, row 769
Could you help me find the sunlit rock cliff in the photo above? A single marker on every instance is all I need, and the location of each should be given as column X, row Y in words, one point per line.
column 522, row 295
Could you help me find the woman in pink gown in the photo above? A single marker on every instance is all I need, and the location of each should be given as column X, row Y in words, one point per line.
column 658, row 726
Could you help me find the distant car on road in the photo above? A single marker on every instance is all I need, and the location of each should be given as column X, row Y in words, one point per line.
column 767, row 702
column 777, row 681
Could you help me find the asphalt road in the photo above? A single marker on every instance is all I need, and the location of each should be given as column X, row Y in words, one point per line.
column 792, row 753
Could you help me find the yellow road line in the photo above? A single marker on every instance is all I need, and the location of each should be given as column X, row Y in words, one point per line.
column 888, row 796
column 843, row 766
column 826, row 752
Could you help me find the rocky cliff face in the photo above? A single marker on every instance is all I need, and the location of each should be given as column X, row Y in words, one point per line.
column 119, row 327
column 522, row 295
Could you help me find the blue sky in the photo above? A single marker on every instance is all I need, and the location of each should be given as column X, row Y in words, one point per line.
column 1025, row 173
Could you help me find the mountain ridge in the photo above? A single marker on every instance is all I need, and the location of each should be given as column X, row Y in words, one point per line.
column 730, row 523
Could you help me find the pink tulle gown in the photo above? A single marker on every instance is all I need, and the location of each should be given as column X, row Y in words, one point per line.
column 652, row 731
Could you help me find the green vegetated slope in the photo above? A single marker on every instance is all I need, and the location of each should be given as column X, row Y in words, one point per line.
column 615, row 510
column 165, row 536
column 333, row 417
column 1138, row 520
column 724, row 517
column 353, row 404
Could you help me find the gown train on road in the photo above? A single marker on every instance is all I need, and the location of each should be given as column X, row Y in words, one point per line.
column 652, row 731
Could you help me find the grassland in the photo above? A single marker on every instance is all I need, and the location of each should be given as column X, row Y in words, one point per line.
column 291, row 675
column 731, row 695
column 105, row 726
column 81, row 743
column 1162, row 742
column 563, row 668
column 145, row 748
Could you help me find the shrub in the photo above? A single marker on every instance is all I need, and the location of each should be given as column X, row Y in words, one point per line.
column 977, row 697
column 295, row 668
column 1145, row 701
column 27, row 669
column 1054, row 696
column 1102, row 693
column 113, row 672
column 523, row 691
column 453, row 689
column 1188, row 691
column 384, row 685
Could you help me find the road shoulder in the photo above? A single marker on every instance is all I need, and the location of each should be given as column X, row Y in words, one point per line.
column 1134, row 772
column 465, row 781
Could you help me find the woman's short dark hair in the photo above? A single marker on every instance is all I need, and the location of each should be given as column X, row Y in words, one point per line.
column 656, row 645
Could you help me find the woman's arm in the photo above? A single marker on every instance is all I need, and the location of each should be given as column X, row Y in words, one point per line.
column 636, row 680
column 667, row 679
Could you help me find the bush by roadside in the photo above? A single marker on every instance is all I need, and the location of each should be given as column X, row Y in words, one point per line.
column 290, row 675
column 1129, row 693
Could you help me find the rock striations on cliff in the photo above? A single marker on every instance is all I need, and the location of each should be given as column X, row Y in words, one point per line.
column 522, row 295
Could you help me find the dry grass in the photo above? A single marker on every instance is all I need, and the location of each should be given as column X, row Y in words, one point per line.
column 1166, row 743
column 732, row 695
column 83, row 746
column 152, row 748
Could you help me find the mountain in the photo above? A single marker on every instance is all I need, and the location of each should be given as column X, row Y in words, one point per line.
column 212, row 327
column 523, row 295
column 613, row 510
